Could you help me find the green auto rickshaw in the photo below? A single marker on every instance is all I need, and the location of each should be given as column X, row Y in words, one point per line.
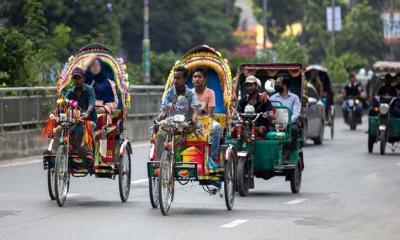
column 263, row 157
column 384, row 112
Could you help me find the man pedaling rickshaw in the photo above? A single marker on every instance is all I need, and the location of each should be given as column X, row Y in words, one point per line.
column 84, row 95
column 174, row 102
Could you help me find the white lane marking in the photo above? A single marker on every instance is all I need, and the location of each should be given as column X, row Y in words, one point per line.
column 139, row 181
column 12, row 164
column 234, row 223
column 296, row 201
column 19, row 162
column 73, row 194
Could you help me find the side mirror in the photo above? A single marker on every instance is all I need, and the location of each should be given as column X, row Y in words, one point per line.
column 312, row 100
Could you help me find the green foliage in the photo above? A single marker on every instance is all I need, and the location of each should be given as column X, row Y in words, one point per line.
column 161, row 64
column 362, row 33
column 341, row 66
column 288, row 49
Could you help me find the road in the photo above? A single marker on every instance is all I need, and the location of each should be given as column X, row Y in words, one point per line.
column 346, row 194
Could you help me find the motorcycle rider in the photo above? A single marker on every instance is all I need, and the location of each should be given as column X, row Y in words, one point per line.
column 352, row 90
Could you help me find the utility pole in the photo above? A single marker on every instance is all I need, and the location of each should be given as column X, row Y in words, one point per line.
column 333, row 27
column 391, row 45
column 265, row 23
column 146, row 43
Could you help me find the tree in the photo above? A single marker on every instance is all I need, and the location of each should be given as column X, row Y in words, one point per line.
column 362, row 33
column 288, row 49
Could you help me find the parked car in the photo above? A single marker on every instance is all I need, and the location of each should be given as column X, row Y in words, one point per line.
column 315, row 116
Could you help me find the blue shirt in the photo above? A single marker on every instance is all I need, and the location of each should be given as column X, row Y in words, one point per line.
column 291, row 101
column 171, row 97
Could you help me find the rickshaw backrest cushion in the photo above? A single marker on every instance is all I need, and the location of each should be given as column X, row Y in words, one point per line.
column 282, row 115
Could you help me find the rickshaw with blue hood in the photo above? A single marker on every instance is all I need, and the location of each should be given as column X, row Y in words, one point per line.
column 184, row 155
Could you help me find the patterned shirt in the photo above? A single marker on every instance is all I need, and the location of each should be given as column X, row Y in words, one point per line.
column 291, row 101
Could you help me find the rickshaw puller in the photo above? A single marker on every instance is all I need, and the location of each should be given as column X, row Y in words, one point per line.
column 84, row 95
column 291, row 101
column 170, row 100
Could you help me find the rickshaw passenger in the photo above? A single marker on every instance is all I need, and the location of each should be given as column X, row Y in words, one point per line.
column 104, row 87
column 171, row 99
column 283, row 97
column 85, row 96
column 388, row 90
column 206, row 100
column 260, row 102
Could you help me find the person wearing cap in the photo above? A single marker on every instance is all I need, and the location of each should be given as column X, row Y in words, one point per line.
column 85, row 96
column 259, row 102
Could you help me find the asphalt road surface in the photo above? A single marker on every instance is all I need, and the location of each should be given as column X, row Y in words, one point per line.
column 346, row 193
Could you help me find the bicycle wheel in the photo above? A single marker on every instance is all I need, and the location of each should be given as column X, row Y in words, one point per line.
column 229, row 183
column 61, row 175
column 124, row 176
column 50, row 183
column 166, row 184
column 153, row 191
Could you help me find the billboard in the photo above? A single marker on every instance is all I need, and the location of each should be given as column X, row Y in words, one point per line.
column 334, row 19
column 391, row 27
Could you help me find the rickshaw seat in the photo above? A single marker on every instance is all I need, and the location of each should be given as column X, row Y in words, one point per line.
column 275, row 135
column 282, row 117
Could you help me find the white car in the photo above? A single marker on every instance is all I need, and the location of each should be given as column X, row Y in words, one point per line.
column 314, row 123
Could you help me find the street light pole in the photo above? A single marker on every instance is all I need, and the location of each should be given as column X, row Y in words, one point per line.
column 146, row 42
column 333, row 26
column 265, row 19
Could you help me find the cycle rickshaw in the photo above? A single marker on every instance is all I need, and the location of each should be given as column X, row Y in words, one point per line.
column 327, row 94
column 110, row 151
column 186, row 158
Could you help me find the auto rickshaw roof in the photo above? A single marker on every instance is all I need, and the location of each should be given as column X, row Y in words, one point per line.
column 294, row 69
column 382, row 68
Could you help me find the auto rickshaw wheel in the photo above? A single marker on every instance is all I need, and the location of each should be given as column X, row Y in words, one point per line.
column 295, row 178
column 242, row 177
column 153, row 192
column 166, row 182
column 383, row 142
column 61, row 175
column 50, row 183
column 229, row 183
column 124, row 175
column 371, row 141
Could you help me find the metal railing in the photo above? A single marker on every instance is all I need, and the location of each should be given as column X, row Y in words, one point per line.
column 29, row 107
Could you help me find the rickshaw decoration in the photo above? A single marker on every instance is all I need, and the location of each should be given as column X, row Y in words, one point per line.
column 185, row 158
column 109, row 152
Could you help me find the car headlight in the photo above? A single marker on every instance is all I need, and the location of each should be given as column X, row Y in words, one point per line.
column 179, row 118
column 384, row 108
